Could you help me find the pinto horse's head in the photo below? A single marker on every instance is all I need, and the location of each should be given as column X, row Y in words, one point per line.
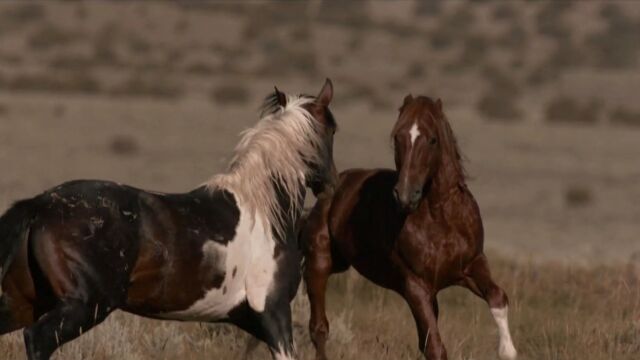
column 421, row 136
column 322, row 175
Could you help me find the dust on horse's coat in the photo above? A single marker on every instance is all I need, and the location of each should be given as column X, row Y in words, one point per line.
column 416, row 230
column 226, row 251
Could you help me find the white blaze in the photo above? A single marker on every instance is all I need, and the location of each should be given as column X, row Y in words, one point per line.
column 506, row 350
column 414, row 132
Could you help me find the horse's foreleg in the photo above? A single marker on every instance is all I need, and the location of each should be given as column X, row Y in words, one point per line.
column 478, row 280
column 424, row 307
column 278, row 334
column 64, row 323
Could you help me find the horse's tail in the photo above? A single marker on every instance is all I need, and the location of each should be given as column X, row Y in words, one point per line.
column 13, row 232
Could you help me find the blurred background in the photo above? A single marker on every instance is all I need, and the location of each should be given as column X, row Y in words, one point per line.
column 543, row 96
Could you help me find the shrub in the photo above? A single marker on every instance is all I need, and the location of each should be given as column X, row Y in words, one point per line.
column 567, row 110
column 123, row 145
column 147, row 85
column 496, row 107
column 75, row 82
column 623, row 116
column 48, row 36
column 578, row 196
column 230, row 94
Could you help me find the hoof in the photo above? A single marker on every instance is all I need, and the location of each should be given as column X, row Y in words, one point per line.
column 507, row 352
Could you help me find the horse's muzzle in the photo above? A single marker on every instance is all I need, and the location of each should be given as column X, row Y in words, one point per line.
column 407, row 200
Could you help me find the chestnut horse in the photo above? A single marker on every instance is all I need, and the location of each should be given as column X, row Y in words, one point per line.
column 224, row 252
column 415, row 231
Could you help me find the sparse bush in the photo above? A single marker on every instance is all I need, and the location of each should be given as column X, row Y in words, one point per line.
column 617, row 46
column 578, row 196
column 442, row 38
column 300, row 33
column 181, row 26
column 73, row 82
column 81, row 12
column 428, row 8
column 68, row 61
column 542, row 74
column 22, row 14
column 353, row 14
column 503, row 11
column 3, row 109
column 550, row 21
column 301, row 61
column 59, row 110
column 474, row 52
column 566, row 55
column 138, row 45
column 452, row 28
column 48, row 36
column 200, row 68
column 623, row 116
column 104, row 46
column 416, row 70
column 11, row 59
column 500, row 102
column 123, row 145
column 150, row 85
column 500, row 82
column 567, row 110
column 515, row 37
column 496, row 107
column 230, row 94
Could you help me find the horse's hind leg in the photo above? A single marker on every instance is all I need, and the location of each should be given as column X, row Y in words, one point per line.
column 68, row 320
column 478, row 280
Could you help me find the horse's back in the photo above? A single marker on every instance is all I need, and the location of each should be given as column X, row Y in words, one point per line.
column 99, row 239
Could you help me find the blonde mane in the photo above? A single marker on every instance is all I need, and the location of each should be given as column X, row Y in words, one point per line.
column 275, row 153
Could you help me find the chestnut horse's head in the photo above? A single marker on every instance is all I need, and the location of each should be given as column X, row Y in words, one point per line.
column 423, row 143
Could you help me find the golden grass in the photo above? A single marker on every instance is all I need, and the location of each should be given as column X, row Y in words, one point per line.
column 557, row 312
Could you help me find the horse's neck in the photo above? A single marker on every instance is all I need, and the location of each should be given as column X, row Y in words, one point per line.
column 447, row 182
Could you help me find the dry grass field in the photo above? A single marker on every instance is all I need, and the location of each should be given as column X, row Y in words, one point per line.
column 542, row 96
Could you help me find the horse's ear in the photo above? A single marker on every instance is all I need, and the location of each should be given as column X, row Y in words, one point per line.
column 326, row 93
column 439, row 106
column 281, row 97
column 407, row 99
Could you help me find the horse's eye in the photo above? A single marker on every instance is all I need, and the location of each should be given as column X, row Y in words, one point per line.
column 433, row 141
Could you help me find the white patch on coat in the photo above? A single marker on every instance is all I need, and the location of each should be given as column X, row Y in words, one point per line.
column 250, row 254
column 506, row 350
column 214, row 255
column 414, row 132
column 263, row 266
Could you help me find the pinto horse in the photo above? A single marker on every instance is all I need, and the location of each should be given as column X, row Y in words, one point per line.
column 415, row 231
column 224, row 252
